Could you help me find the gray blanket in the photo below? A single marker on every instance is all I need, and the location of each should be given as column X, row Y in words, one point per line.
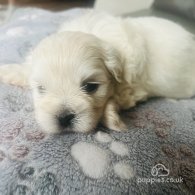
column 155, row 156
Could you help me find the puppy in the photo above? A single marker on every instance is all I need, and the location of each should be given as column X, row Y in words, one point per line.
column 97, row 65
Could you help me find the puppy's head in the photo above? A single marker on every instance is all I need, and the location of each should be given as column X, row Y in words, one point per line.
column 72, row 80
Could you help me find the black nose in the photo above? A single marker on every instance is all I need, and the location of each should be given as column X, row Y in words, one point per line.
column 66, row 119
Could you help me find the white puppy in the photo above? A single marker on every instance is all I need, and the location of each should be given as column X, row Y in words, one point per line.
column 97, row 65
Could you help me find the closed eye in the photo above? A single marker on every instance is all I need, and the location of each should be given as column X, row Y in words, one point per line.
column 90, row 87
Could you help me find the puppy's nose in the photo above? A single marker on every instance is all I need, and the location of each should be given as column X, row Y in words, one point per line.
column 66, row 119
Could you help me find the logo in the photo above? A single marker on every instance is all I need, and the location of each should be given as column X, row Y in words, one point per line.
column 159, row 173
column 159, row 170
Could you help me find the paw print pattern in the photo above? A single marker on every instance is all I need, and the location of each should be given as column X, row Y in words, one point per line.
column 119, row 148
column 10, row 128
column 169, row 151
column 181, row 163
column 124, row 170
column 44, row 183
column 47, row 184
column 103, row 137
column 156, row 120
column 21, row 186
column 26, row 173
column 161, row 132
column 15, row 140
column 35, row 135
column 95, row 161
column 20, row 189
column 185, row 150
column 19, row 152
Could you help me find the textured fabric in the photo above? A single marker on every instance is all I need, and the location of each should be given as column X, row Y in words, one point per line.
column 160, row 131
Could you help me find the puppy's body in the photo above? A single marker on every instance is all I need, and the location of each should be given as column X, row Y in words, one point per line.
column 158, row 55
column 98, row 64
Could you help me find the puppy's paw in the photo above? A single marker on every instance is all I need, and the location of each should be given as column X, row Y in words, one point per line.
column 111, row 118
column 115, row 124
column 13, row 74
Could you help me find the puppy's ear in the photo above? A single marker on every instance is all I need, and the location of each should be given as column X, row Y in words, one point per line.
column 113, row 62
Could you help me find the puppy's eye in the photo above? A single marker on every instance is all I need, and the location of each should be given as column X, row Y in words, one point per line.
column 41, row 89
column 90, row 87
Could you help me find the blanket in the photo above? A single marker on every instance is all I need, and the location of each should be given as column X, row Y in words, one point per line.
column 155, row 156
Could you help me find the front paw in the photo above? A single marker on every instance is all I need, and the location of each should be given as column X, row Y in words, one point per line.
column 13, row 74
column 115, row 124
column 111, row 118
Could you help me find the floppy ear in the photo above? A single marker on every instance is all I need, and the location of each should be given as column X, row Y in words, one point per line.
column 113, row 62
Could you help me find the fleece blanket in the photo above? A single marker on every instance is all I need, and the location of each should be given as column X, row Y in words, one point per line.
column 155, row 156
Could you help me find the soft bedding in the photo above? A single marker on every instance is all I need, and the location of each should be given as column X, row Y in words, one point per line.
column 155, row 156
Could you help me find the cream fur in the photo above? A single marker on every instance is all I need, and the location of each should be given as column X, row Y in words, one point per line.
column 131, row 59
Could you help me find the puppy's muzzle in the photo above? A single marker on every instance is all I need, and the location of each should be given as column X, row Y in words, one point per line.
column 66, row 120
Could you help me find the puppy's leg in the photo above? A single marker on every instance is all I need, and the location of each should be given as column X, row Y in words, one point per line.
column 111, row 118
column 14, row 74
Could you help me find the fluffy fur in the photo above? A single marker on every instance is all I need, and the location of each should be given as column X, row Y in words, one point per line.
column 129, row 59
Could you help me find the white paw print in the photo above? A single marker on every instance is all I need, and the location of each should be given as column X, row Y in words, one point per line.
column 95, row 161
